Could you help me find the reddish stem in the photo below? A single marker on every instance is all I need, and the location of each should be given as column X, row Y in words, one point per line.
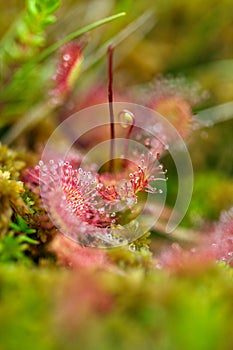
column 128, row 136
column 127, row 139
column 110, row 102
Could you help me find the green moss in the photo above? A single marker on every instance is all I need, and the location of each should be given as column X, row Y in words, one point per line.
column 11, row 189
column 136, row 254
column 147, row 311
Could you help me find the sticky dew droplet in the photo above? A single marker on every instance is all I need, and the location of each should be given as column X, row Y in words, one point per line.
column 126, row 118
column 147, row 142
column 66, row 57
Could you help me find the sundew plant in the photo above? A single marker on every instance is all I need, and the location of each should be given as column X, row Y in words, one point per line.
column 116, row 211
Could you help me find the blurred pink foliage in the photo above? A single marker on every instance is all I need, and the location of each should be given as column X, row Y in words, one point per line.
column 215, row 245
column 71, row 254
column 81, row 299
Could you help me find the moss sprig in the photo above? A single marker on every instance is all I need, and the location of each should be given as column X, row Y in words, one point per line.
column 28, row 34
column 15, row 244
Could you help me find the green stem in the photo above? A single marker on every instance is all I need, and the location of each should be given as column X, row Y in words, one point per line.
column 76, row 34
column 21, row 72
